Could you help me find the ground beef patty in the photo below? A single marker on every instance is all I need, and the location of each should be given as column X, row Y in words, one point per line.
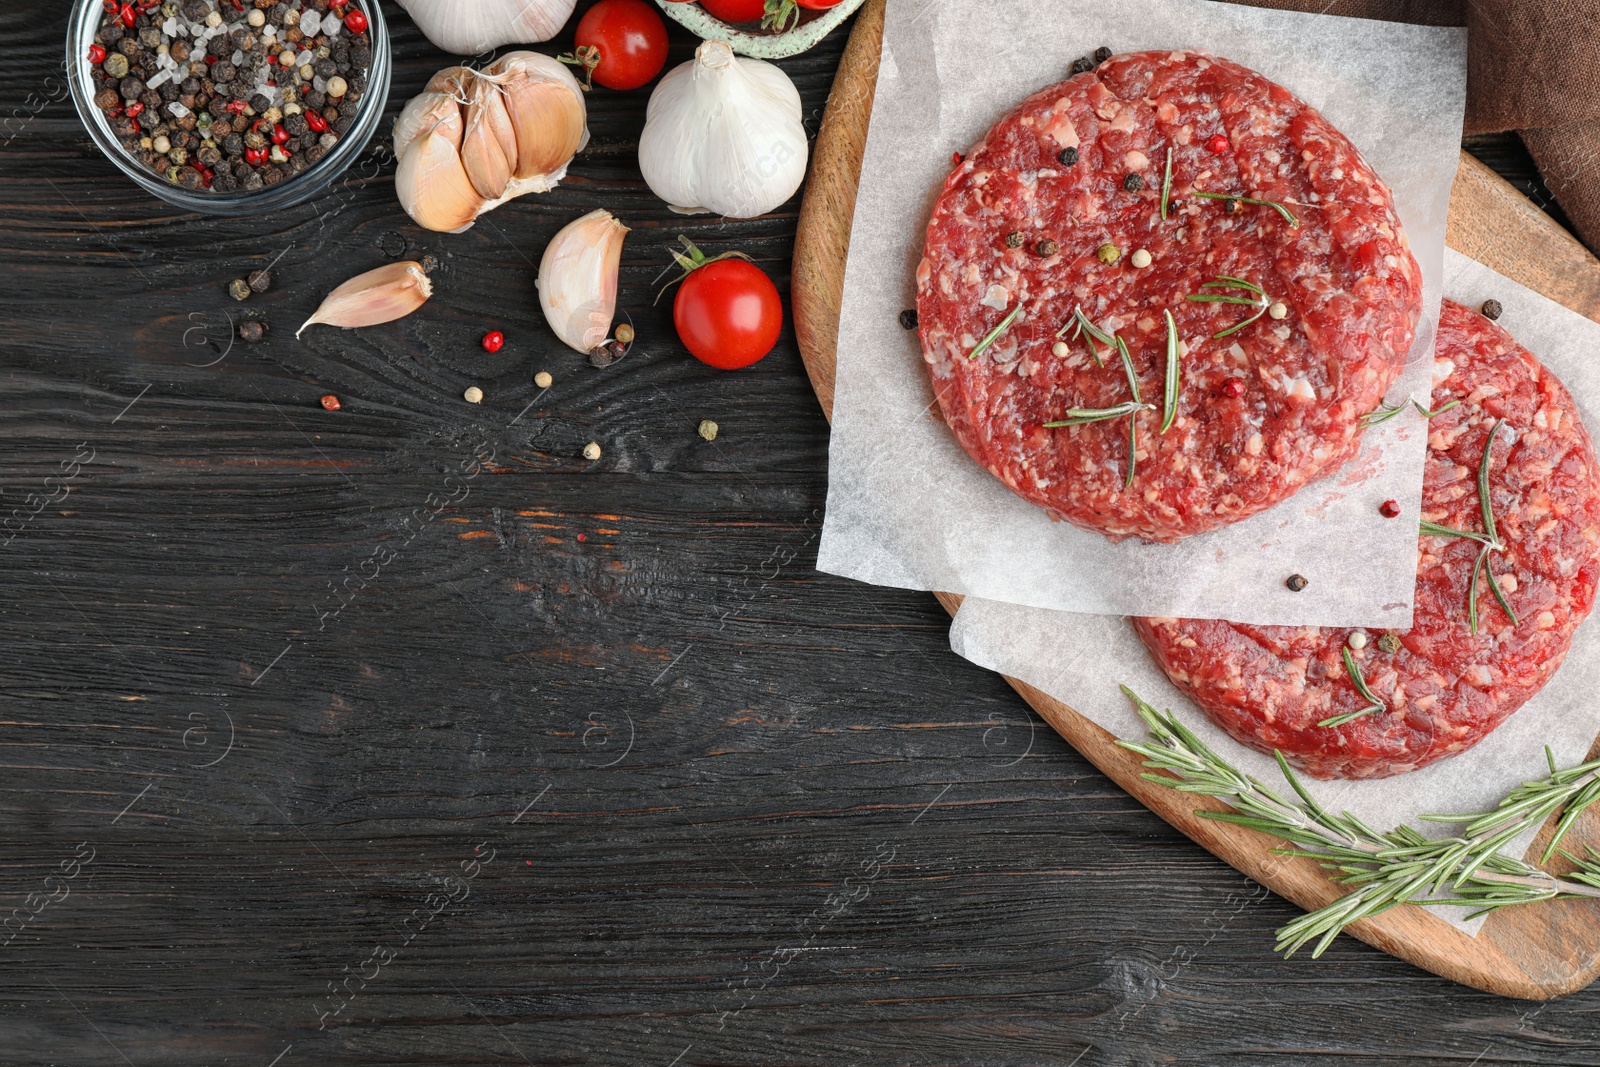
column 1028, row 217
column 1444, row 689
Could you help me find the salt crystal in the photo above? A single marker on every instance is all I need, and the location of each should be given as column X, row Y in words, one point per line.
column 304, row 57
column 330, row 28
column 270, row 32
column 170, row 27
column 309, row 23
column 177, row 109
column 319, row 83
column 158, row 79
column 237, row 57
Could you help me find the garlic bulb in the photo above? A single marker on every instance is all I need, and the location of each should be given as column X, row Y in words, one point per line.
column 468, row 27
column 723, row 134
column 474, row 139
column 578, row 279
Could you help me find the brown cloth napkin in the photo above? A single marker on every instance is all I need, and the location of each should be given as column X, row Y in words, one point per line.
column 1533, row 66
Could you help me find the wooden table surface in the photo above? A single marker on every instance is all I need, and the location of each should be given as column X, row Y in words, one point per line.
column 363, row 761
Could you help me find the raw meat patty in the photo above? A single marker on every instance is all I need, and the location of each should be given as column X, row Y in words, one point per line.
column 1351, row 288
column 1445, row 690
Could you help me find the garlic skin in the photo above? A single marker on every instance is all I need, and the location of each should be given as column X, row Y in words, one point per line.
column 578, row 280
column 471, row 140
column 470, row 27
column 383, row 295
column 723, row 134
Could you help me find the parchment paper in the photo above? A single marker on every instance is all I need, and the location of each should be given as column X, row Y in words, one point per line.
column 1081, row 659
column 907, row 507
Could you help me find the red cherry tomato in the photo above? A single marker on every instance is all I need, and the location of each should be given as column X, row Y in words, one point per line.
column 631, row 41
column 728, row 313
column 818, row 5
column 736, row 10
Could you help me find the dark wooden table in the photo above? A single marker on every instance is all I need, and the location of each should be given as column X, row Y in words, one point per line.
column 359, row 760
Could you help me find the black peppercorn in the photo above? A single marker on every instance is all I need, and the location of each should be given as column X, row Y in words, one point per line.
column 1296, row 582
column 1047, row 248
column 1230, row 206
column 1101, row 54
column 1492, row 309
column 1014, row 239
column 908, row 319
column 1082, row 65
column 252, row 332
column 1133, row 183
column 1068, row 157
column 260, row 281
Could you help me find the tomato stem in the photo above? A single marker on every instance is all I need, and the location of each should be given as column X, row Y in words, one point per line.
column 586, row 56
column 691, row 260
column 781, row 15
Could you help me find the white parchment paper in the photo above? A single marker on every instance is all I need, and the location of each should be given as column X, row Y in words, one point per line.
column 907, row 507
column 1081, row 659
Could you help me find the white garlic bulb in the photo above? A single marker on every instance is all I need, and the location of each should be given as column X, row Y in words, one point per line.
column 468, row 27
column 474, row 139
column 578, row 279
column 723, row 134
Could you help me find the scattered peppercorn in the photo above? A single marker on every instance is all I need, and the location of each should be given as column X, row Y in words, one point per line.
column 591, row 451
column 1015, row 239
column 1082, row 65
column 1357, row 639
column 1296, row 582
column 1492, row 309
column 252, row 332
column 1389, row 643
column 1101, row 54
column 708, row 429
column 331, row 402
column 908, row 319
column 1233, row 388
column 603, row 355
column 1109, row 253
column 625, row 334
column 1068, row 157
column 1047, row 248
column 1133, row 183
column 1060, row 350
column 543, row 379
column 1389, row 509
column 493, row 341
column 1141, row 258
column 1279, row 310
column 239, row 289
column 260, row 281
column 1230, row 206
column 1217, row 144
column 473, row 395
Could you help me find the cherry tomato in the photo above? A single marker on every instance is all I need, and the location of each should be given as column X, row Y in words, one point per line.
column 728, row 313
column 736, row 10
column 819, row 5
column 631, row 41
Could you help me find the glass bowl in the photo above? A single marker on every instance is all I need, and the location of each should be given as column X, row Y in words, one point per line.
column 86, row 18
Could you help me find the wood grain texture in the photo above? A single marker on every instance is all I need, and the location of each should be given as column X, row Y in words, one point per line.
column 743, row 813
column 1533, row 952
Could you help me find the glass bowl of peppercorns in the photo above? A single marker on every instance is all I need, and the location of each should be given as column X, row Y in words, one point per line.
column 230, row 107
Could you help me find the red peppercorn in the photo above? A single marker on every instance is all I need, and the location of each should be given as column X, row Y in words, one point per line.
column 1389, row 509
column 97, row 54
column 135, row 124
column 255, row 156
column 494, row 341
column 316, row 121
column 109, row 6
column 128, row 15
column 237, row 106
column 1233, row 387
column 1218, row 144
column 135, row 108
column 355, row 22
column 330, row 402
column 279, row 134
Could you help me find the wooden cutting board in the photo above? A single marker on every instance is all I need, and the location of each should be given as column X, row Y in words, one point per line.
column 1533, row 951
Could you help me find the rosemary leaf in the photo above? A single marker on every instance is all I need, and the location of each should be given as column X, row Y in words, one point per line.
column 1433, row 529
column 1218, row 298
column 1084, row 416
column 1383, row 413
column 1483, row 485
column 1288, row 216
column 1236, row 328
column 1440, row 410
column 994, row 335
column 1494, row 587
column 1472, row 590
column 1170, row 400
column 1228, row 281
column 1166, row 185
column 1127, row 368
column 1133, row 452
column 1374, row 705
column 1094, row 332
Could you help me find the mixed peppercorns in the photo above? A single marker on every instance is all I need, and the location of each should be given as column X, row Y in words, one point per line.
column 230, row 95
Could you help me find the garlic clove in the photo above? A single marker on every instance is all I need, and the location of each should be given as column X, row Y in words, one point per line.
column 724, row 134
column 547, row 112
column 433, row 186
column 578, row 279
column 470, row 27
column 428, row 112
column 383, row 295
column 484, row 144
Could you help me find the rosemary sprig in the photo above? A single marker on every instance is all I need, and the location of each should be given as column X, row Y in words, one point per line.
column 1288, row 216
column 1225, row 281
column 1082, row 325
column 1489, row 539
column 1385, row 412
column 1170, row 402
column 1400, row 866
column 1133, row 421
column 1166, row 185
column 1374, row 705
column 994, row 335
column 1084, row 416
